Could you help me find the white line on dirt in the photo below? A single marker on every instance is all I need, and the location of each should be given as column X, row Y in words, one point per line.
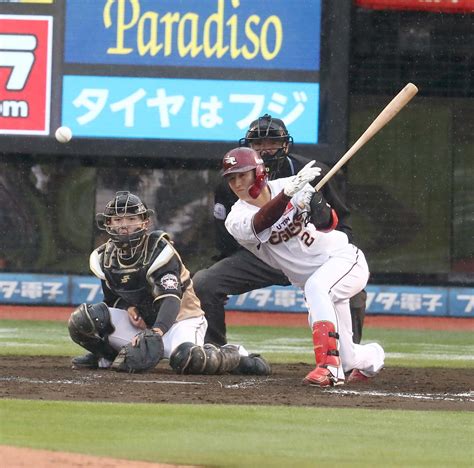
column 416, row 396
column 167, row 382
column 466, row 396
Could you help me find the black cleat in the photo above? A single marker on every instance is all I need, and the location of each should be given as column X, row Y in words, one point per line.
column 88, row 361
column 253, row 364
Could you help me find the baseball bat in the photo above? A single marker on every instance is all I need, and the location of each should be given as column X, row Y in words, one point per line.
column 387, row 114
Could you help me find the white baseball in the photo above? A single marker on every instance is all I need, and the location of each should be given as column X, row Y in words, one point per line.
column 63, row 134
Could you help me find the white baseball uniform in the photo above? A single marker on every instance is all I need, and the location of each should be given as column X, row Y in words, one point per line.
column 326, row 266
column 190, row 330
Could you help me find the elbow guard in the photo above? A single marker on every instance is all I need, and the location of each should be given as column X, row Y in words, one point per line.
column 321, row 214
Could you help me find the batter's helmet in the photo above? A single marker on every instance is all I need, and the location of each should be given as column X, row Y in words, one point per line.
column 124, row 204
column 244, row 160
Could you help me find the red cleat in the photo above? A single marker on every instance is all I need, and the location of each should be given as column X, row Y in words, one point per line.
column 322, row 377
column 357, row 376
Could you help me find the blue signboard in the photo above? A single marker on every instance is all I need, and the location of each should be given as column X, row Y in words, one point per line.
column 383, row 300
column 85, row 289
column 461, row 302
column 33, row 289
column 263, row 34
column 177, row 109
column 407, row 300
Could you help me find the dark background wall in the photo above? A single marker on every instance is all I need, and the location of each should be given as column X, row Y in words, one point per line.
column 410, row 188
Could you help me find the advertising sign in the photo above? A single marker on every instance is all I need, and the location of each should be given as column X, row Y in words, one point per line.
column 33, row 289
column 268, row 34
column 428, row 301
column 25, row 74
column 176, row 109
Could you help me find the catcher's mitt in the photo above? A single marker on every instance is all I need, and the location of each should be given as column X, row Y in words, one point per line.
column 146, row 354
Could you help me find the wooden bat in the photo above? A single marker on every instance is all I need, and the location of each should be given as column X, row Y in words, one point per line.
column 387, row 114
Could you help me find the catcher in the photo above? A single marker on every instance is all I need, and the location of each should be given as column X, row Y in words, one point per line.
column 150, row 311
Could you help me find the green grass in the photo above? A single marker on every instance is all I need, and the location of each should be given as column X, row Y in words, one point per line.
column 415, row 348
column 242, row 436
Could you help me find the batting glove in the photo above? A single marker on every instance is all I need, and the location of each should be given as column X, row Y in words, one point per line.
column 303, row 199
column 297, row 182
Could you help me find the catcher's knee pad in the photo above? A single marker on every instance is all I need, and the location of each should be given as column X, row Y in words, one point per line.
column 188, row 358
column 89, row 326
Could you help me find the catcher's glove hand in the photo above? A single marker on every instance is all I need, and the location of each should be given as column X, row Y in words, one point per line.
column 144, row 353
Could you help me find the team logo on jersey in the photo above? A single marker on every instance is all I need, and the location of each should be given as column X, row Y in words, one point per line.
column 169, row 281
column 125, row 279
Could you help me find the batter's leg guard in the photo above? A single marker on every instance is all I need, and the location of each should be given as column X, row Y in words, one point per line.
column 328, row 371
column 89, row 326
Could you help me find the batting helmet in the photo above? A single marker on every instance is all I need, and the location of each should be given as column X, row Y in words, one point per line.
column 124, row 204
column 244, row 160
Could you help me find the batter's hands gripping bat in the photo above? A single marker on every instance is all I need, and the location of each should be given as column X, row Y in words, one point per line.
column 390, row 111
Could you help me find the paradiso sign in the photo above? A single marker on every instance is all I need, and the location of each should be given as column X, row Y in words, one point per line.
column 221, row 33
column 170, row 29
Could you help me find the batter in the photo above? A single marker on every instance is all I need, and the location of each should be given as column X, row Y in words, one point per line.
column 290, row 226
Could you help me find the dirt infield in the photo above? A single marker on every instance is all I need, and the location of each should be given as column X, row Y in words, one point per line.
column 15, row 457
column 49, row 378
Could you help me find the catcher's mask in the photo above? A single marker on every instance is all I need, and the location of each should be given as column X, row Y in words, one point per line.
column 125, row 205
column 268, row 128
column 244, row 160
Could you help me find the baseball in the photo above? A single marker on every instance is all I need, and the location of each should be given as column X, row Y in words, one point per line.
column 63, row 134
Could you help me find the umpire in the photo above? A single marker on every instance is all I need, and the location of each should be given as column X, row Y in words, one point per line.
column 238, row 271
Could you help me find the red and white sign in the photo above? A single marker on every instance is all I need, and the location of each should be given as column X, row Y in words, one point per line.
column 25, row 74
column 447, row 6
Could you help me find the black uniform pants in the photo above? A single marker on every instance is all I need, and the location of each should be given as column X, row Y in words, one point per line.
column 240, row 273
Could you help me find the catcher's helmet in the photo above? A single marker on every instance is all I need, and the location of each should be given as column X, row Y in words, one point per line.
column 124, row 204
column 244, row 160
column 268, row 128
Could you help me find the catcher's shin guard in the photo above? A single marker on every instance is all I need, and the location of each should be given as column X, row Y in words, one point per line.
column 189, row 358
column 328, row 371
